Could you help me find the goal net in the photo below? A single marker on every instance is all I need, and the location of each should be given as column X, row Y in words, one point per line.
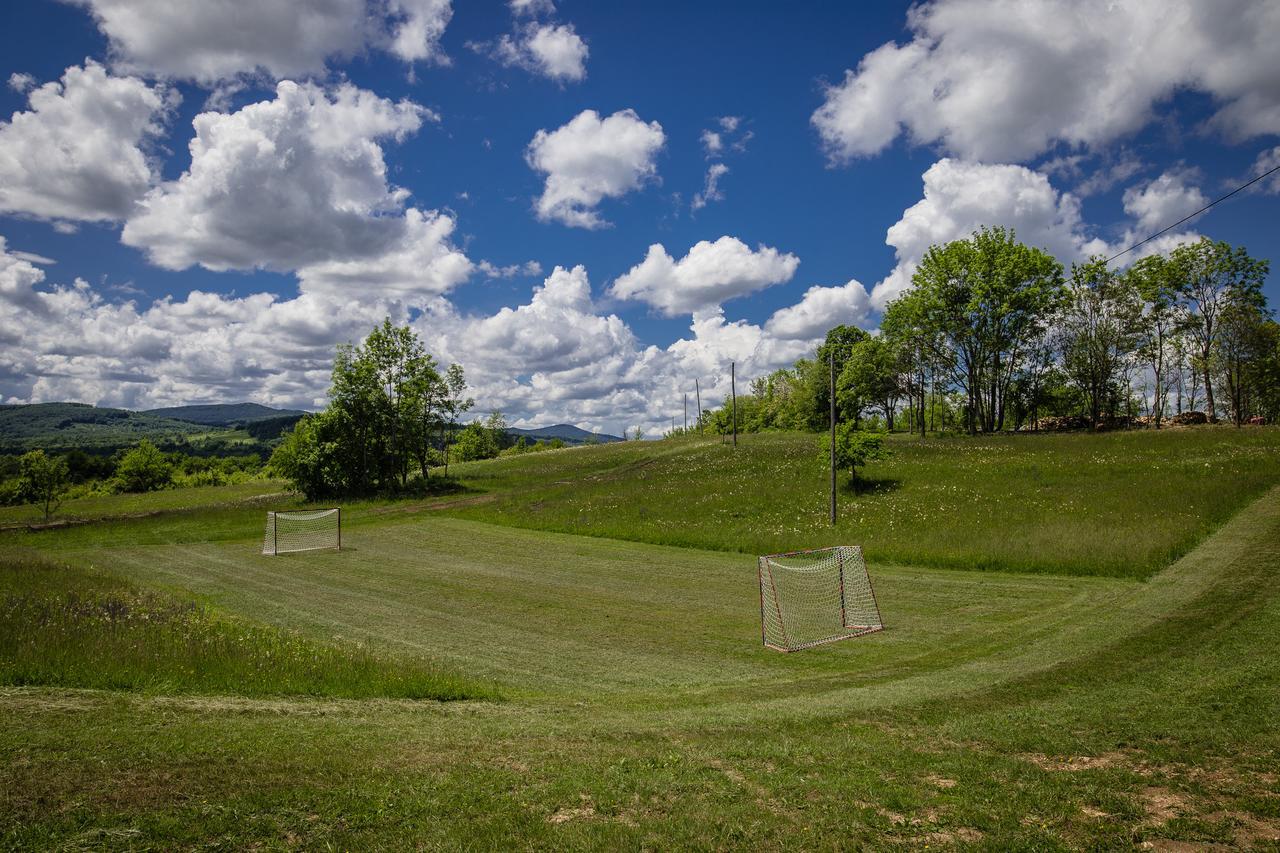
column 813, row 597
column 302, row 530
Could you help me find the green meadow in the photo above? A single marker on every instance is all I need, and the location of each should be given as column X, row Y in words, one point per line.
column 1121, row 504
column 565, row 654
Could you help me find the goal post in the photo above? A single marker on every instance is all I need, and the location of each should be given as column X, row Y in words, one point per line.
column 302, row 530
column 808, row 598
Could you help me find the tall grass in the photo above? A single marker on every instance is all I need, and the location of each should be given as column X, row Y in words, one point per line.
column 100, row 506
column 66, row 627
column 1118, row 504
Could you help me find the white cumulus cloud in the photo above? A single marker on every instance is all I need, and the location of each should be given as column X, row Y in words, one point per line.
column 66, row 342
column 555, row 51
column 417, row 27
column 80, row 151
column 706, row 277
column 959, row 197
column 591, row 159
column 299, row 182
column 1005, row 80
column 557, row 357
column 1163, row 201
column 216, row 41
column 820, row 309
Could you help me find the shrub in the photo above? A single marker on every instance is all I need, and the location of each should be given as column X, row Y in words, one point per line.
column 143, row 469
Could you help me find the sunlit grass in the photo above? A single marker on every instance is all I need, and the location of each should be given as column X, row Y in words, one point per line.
column 66, row 627
column 1118, row 504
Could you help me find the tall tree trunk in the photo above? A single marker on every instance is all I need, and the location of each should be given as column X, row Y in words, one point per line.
column 1208, row 388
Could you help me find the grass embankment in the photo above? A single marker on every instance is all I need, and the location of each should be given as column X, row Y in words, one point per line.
column 68, row 627
column 1118, row 504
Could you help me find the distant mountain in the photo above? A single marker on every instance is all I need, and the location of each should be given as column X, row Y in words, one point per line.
column 568, row 433
column 222, row 414
column 216, row 429
column 62, row 426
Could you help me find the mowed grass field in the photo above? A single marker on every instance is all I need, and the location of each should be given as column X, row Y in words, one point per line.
column 620, row 695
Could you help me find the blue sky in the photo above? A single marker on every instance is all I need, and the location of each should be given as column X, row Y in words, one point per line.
column 850, row 137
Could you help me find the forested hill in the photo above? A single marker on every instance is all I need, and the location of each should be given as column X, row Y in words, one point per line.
column 66, row 426
column 222, row 414
column 567, row 433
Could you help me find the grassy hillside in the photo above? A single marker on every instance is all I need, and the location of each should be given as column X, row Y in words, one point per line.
column 1119, row 504
column 639, row 710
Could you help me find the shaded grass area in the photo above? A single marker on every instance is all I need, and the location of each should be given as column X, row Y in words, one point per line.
column 1163, row 735
column 1118, row 504
column 69, row 627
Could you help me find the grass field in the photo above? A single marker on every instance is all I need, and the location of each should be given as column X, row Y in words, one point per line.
column 631, row 703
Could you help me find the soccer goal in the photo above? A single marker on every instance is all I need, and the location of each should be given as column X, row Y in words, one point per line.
column 812, row 597
column 302, row 530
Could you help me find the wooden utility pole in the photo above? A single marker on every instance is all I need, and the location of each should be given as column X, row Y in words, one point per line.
column 698, row 390
column 686, row 411
column 831, row 358
column 733, row 389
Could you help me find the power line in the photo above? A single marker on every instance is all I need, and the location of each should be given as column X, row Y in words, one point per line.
column 1194, row 215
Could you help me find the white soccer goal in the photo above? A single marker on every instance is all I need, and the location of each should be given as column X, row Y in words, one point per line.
column 813, row 597
column 302, row 530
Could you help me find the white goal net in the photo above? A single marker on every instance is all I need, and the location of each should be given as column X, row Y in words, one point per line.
column 813, row 597
column 302, row 530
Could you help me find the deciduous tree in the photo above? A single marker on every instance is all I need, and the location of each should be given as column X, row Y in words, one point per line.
column 42, row 480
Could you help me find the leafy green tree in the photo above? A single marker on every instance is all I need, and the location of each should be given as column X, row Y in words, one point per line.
column 922, row 358
column 42, row 480
column 497, row 426
column 1210, row 274
column 855, row 448
column 985, row 298
column 557, row 443
column 455, row 404
column 311, row 458
column 1266, row 373
column 1244, row 342
column 475, row 441
column 387, row 400
column 1155, row 282
column 837, row 348
column 1095, row 334
column 143, row 469
column 872, row 376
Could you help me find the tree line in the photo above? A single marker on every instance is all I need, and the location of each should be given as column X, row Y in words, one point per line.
column 45, row 479
column 997, row 335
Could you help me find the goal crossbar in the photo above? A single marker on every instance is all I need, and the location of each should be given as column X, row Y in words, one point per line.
column 818, row 596
column 289, row 531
